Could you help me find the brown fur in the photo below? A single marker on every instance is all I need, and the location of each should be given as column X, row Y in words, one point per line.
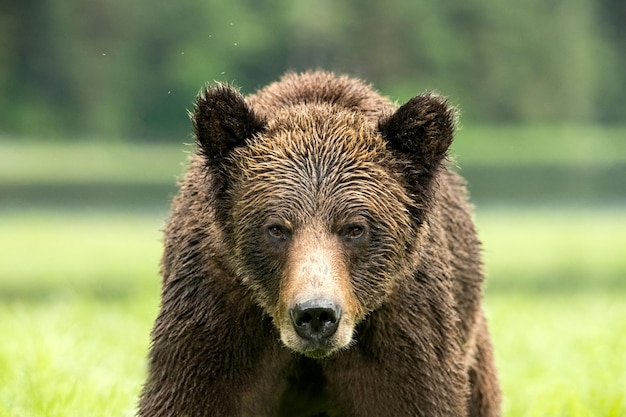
column 317, row 187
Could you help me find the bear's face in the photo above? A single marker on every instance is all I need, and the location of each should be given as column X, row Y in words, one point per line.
column 318, row 208
column 319, row 224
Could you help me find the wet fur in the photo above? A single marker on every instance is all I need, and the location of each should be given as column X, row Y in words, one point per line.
column 420, row 346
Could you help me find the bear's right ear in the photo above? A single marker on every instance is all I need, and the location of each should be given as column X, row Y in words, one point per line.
column 422, row 129
column 223, row 121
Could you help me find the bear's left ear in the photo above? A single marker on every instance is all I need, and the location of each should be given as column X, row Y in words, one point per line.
column 422, row 129
column 223, row 121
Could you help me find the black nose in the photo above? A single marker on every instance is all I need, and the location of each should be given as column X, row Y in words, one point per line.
column 316, row 319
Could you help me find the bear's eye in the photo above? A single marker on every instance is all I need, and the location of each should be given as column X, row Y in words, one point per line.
column 277, row 231
column 353, row 232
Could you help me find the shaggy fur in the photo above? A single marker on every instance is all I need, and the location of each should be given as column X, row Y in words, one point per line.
column 317, row 188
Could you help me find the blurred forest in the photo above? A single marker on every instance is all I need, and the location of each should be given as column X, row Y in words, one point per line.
column 127, row 70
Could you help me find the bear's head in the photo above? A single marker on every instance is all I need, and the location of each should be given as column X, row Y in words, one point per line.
column 322, row 211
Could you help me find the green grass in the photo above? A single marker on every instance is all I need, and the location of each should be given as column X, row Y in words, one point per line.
column 73, row 356
column 79, row 292
column 105, row 254
column 560, row 251
column 561, row 355
column 555, row 301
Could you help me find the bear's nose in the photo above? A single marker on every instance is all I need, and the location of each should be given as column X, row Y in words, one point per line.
column 316, row 319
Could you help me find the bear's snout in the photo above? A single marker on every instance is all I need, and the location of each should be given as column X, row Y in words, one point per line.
column 317, row 309
column 315, row 320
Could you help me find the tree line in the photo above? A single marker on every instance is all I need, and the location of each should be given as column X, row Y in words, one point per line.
column 129, row 70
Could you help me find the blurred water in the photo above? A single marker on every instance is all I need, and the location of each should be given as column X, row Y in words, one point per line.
column 534, row 185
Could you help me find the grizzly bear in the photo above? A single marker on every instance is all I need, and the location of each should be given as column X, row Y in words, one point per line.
column 320, row 260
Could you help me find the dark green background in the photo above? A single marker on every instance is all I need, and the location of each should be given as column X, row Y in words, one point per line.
column 127, row 70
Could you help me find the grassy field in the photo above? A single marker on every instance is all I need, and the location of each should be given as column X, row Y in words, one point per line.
column 77, row 297
column 79, row 292
column 556, row 303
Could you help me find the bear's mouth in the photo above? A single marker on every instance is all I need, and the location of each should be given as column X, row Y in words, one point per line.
column 318, row 353
column 325, row 348
column 315, row 349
